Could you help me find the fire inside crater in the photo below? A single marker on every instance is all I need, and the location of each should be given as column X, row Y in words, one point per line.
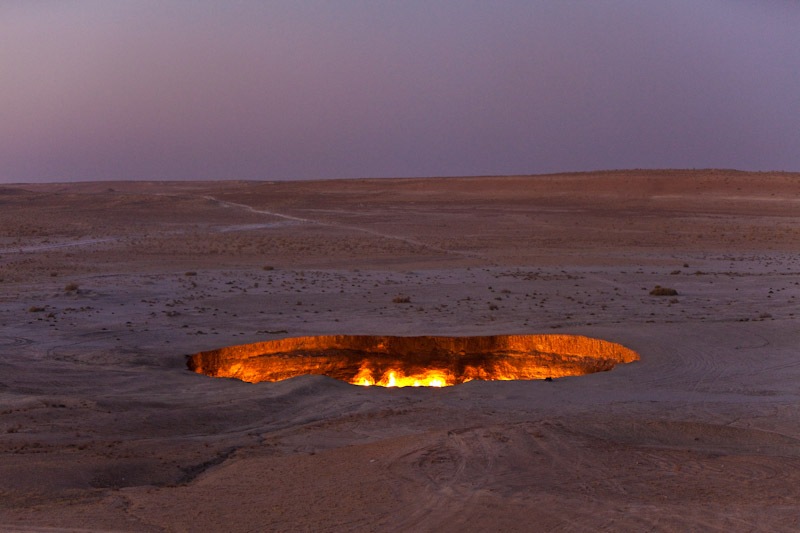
column 414, row 361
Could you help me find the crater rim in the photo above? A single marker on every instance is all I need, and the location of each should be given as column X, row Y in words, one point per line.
column 429, row 360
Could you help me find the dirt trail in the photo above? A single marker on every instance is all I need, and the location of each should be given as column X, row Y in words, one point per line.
column 349, row 227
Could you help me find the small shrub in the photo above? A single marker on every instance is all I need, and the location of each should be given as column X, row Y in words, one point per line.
column 70, row 287
column 190, row 273
column 401, row 299
column 35, row 309
column 663, row 291
column 268, row 267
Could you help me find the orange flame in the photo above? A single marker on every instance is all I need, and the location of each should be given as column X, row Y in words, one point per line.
column 397, row 378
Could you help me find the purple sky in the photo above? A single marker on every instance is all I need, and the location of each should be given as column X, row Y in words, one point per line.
column 139, row 89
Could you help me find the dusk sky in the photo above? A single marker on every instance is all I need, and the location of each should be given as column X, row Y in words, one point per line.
column 177, row 90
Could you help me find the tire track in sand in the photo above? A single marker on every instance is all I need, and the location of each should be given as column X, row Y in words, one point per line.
column 367, row 231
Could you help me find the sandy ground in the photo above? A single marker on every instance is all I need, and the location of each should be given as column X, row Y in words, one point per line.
column 107, row 286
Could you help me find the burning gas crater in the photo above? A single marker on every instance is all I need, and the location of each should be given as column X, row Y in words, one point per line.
column 414, row 361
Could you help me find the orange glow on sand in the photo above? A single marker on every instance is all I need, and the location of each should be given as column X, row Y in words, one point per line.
column 414, row 361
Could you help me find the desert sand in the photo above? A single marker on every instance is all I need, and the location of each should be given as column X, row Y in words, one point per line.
column 107, row 287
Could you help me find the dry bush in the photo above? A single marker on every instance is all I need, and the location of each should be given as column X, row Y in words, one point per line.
column 402, row 299
column 663, row 291
column 70, row 287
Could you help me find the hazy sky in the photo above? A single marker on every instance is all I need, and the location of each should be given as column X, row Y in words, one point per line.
column 117, row 89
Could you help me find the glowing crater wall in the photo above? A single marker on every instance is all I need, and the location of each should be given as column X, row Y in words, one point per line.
column 404, row 361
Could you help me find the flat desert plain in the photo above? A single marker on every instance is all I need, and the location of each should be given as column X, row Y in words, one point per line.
column 107, row 287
